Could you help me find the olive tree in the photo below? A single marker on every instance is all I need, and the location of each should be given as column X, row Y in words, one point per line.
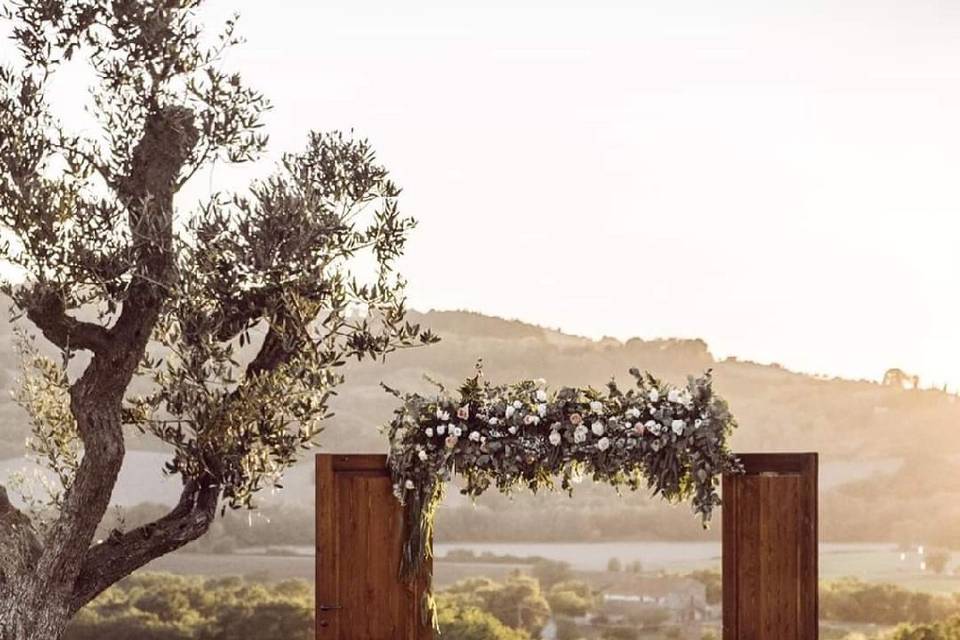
column 218, row 329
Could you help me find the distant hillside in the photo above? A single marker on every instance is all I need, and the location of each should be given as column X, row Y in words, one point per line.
column 870, row 436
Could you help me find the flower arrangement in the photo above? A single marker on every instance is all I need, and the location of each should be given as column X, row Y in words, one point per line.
column 670, row 439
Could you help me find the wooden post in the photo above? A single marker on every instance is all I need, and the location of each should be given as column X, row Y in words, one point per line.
column 770, row 548
column 359, row 539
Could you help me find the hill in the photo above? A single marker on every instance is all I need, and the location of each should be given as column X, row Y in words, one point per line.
column 876, row 442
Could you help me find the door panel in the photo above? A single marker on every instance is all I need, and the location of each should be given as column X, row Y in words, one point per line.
column 359, row 540
column 770, row 548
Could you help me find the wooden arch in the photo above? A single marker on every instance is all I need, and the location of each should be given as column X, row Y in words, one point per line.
column 769, row 551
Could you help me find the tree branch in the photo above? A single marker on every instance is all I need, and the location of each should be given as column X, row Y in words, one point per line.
column 46, row 309
column 19, row 545
column 123, row 553
column 96, row 397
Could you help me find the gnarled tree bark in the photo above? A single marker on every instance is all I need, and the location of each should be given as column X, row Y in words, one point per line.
column 40, row 581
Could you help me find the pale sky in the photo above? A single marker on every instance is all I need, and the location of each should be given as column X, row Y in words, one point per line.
column 781, row 181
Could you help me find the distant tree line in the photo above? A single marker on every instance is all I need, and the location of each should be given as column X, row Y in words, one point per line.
column 852, row 600
column 166, row 607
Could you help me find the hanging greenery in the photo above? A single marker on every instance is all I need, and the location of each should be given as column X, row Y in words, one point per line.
column 670, row 439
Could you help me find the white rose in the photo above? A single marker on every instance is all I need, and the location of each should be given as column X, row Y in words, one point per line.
column 422, row 455
column 555, row 438
column 531, row 419
column 674, row 396
column 517, row 404
column 653, row 427
column 580, row 433
column 442, row 415
column 408, row 484
column 633, row 412
column 475, row 436
column 457, row 431
column 654, row 395
column 542, row 410
column 596, row 406
column 512, row 430
column 597, row 428
column 494, row 422
column 603, row 444
column 677, row 426
column 429, row 432
column 697, row 423
column 441, row 429
column 510, row 411
column 541, row 395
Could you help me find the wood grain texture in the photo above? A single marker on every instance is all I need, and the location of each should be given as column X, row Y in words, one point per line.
column 359, row 541
column 770, row 549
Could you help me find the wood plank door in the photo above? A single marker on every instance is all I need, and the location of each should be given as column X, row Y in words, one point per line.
column 770, row 548
column 359, row 539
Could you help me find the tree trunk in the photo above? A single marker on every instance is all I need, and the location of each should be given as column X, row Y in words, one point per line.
column 44, row 582
column 37, row 595
column 28, row 612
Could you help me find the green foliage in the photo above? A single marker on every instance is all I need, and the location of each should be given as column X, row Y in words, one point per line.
column 571, row 598
column 459, row 621
column 90, row 227
column 164, row 607
column 281, row 256
column 550, row 572
column 670, row 439
column 946, row 630
column 54, row 441
column 851, row 600
column 517, row 603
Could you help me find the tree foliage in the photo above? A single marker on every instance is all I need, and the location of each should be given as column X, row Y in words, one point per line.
column 518, row 602
column 851, row 600
column 467, row 622
column 233, row 317
column 165, row 607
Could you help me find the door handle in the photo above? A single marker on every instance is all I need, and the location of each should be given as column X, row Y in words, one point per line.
column 328, row 607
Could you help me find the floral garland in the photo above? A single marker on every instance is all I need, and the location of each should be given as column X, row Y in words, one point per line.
column 671, row 439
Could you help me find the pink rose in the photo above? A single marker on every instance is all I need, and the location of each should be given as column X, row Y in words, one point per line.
column 640, row 429
column 575, row 419
column 463, row 412
column 451, row 442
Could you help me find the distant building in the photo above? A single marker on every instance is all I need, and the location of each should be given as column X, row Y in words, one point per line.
column 685, row 599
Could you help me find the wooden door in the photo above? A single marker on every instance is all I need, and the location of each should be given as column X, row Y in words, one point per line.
column 770, row 548
column 359, row 529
